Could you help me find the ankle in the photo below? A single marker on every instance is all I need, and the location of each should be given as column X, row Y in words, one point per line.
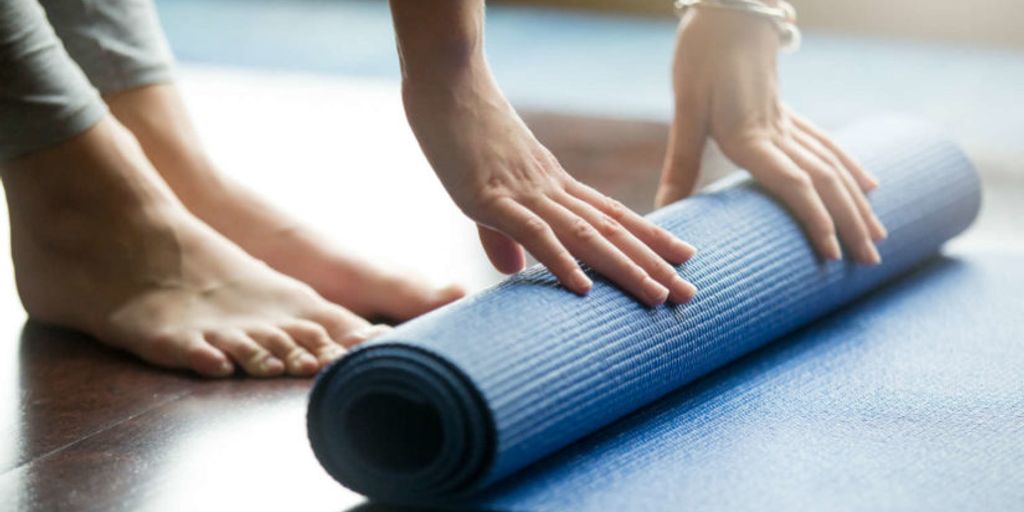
column 98, row 178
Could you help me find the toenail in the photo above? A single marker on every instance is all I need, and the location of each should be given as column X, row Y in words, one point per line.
column 225, row 368
column 332, row 353
column 307, row 360
column 368, row 332
column 271, row 365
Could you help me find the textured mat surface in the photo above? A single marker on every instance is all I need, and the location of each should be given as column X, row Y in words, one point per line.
column 912, row 398
column 465, row 396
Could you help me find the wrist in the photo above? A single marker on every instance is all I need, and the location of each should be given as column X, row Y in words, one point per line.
column 444, row 66
column 738, row 17
column 438, row 40
column 728, row 28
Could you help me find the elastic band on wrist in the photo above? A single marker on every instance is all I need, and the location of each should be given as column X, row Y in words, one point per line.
column 783, row 16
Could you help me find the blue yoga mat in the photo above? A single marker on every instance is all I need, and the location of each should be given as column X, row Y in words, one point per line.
column 448, row 405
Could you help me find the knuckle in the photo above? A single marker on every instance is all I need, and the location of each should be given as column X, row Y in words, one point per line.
column 796, row 180
column 663, row 272
column 636, row 273
column 533, row 198
column 609, row 227
column 826, row 177
column 614, row 208
column 534, row 227
column 582, row 230
column 482, row 204
column 654, row 232
column 833, row 160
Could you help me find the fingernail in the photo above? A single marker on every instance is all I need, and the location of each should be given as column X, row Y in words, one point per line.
column 681, row 251
column 882, row 232
column 870, row 254
column 831, row 248
column 271, row 364
column 655, row 292
column 364, row 333
column 685, row 290
column 582, row 282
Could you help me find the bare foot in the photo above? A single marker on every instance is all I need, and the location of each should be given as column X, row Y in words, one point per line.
column 101, row 245
column 157, row 117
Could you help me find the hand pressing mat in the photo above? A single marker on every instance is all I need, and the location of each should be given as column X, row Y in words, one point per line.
column 449, row 404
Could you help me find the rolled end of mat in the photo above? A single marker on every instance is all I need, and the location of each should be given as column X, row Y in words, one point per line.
column 392, row 420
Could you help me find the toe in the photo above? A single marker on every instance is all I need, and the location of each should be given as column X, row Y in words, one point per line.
column 404, row 298
column 338, row 322
column 206, row 360
column 314, row 338
column 298, row 361
column 181, row 349
column 252, row 357
column 366, row 333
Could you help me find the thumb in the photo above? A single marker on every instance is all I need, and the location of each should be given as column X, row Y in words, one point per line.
column 686, row 142
column 505, row 253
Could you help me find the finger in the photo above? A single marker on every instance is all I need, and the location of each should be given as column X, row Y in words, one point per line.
column 584, row 239
column 680, row 291
column 664, row 243
column 505, row 254
column 875, row 227
column 536, row 235
column 780, row 176
column 852, row 228
column 865, row 179
column 317, row 347
column 687, row 138
column 253, row 358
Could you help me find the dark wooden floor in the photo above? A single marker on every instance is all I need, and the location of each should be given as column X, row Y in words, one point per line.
column 83, row 427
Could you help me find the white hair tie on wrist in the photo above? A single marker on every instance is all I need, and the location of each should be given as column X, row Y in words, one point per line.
column 782, row 16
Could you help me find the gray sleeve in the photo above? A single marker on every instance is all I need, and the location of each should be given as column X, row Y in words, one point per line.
column 119, row 44
column 45, row 98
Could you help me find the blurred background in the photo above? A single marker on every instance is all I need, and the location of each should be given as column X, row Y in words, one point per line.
column 306, row 91
column 986, row 21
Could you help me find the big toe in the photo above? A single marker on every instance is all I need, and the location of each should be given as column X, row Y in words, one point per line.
column 181, row 350
column 208, row 361
column 405, row 298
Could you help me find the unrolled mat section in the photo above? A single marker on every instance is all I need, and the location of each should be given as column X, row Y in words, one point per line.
column 460, row 398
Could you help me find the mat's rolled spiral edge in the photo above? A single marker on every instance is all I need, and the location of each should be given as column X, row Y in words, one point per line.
column 418, row 375
column 465, row 444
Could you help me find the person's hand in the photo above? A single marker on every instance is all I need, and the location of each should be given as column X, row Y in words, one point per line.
column 519, row 195
column 726, row 89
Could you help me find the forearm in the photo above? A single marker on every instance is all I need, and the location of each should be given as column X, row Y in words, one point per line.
column 438, row 39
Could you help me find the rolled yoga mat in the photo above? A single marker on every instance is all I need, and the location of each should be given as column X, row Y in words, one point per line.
column 448, row 404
